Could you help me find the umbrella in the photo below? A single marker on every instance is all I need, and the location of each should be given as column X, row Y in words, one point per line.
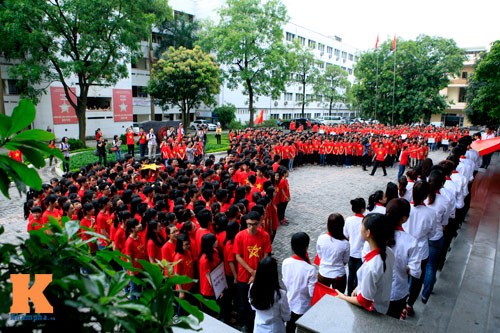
column 485, row 147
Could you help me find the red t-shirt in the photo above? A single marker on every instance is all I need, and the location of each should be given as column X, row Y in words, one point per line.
column 185, row 267
column 130, row 138
column 55, row 214
column 380, row 152
column 103, row 221
column 199, row 233
column 251, row 248
column 168, row 251
column 205, row 267
column 229, row 257
column 136, row 250
column 120, row 238
column 154, row 251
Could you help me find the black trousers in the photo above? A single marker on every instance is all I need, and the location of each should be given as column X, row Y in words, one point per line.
column 376, row 165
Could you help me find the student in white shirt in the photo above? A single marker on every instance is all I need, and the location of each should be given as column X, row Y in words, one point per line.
column 420, row 225
column 333, row 252
column 267, row 299
column 376, row 203
column 351, row 232
column 375, row 275
column 299, row 278
column 440, row 204
column 406, row 256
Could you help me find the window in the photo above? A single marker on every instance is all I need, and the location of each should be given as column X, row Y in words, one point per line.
column 309, row 97
column 298, row 77
column 311, row 44
column 288, row 96
column 298, row 97
column 99, row 103
column 351, row 57
column 317, row 115
column 319, row 98
column 321, row 64
column 321, row 47
column 156, row 38
column 289, row 36
column 461, row 95
column 344, row 55
column 329, row 50
column 343, row 68
column 139, row 63
column 464, row 75
column 349, row 70
column 337, row 53
column 139, row 91
column 302, row 40
column 13, row 87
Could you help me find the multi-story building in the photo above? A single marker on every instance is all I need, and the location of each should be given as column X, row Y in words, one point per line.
column 455, row 92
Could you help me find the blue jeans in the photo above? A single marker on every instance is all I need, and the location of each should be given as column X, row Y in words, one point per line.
column 435, row 248
column 143, row 150
column 290, row 164
column 118, row 154
column 401, row 171
column 352, row 279
column 322, row 158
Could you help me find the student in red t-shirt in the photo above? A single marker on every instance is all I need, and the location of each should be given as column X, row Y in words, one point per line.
column 250, row 246
column 185, row 263
column 209, row 259
column 379, row 158
column 129, row 136
column 103, row 221
column 135, row 250
column 168, row 249
column 34, row 218
column 155, row 242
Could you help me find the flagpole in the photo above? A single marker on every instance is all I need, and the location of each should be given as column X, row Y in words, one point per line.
column 393, row 86
column 376, row 87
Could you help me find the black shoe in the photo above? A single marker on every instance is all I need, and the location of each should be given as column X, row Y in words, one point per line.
column 385, row 175
column 371, row 174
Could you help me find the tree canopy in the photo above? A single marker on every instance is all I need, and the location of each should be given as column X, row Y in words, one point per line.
column 403, row 86
column 225, row 114
column 333, row 86
column 248, row 42
column 483, row 99
column 181, row 31
column 185, row 78
column 79, row 42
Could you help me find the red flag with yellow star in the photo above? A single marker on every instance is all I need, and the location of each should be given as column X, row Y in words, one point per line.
column 260, row 118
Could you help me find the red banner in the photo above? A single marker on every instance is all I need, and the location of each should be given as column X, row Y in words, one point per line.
column 62, row 111
column 122, row 105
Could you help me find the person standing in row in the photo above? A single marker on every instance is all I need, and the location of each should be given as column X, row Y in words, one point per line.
column 152, row 144
column 64, row 147
column 351, row 232
column 218, row 134
column 115, row 146
column 143, row 142
column 299, row 278
column 130, row 141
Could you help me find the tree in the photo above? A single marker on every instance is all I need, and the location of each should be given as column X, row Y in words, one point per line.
column 225, row 114
column 248, row 42
column 185, row 78
column 483, row 100
column 181, row 31
column 333, row 85
column 304, row 67
column 80, row 42
column 422, row 68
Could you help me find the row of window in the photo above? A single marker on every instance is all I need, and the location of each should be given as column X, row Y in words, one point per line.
column 320, row 47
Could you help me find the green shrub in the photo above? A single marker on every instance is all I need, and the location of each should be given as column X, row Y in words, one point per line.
column 75, row 144
column 268, row 123
column 235, row 125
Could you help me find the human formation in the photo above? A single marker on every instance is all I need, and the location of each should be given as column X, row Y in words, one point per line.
column 199, row 212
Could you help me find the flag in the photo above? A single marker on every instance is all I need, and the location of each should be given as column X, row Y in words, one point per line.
column 376, row 43
column 260, row 118
column 321, row 290
column 394, row 43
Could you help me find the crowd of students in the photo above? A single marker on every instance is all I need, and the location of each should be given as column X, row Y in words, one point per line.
column 201, row 212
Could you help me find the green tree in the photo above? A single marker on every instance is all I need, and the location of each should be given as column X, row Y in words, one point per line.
column 185, row 78
column 248, row 41
column 333, row 85
column 303, row 64
column 409, row 79
column 181, row 31
column 80, row 42
column 225, row 114
column 483, row 100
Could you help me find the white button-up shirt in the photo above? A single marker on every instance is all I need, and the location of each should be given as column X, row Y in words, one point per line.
column 299, row 278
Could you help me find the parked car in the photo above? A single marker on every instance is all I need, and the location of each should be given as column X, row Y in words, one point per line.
column 194, row 125
column 286, row 123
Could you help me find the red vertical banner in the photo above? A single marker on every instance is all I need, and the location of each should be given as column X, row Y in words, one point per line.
column 122, row 105
column 62, row 111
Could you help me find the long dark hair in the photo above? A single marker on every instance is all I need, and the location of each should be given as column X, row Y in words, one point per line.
column 207, row 246
column 179, row 246
column 396, row 210
column 265, row 285
column 436, row 181
column 378, row 226
column 391, row 192
column 154, row 236
column 232, row 229
column 335, row 226
column 420, row 192
column 374, row 199
column 300, row 243
column 402, row 183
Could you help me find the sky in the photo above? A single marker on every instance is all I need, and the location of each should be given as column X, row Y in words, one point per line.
column 358, row 22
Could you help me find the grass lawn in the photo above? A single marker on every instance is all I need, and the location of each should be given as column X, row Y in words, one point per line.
column 86, row 156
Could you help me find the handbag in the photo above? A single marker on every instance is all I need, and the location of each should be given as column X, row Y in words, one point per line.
column 113, row 149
